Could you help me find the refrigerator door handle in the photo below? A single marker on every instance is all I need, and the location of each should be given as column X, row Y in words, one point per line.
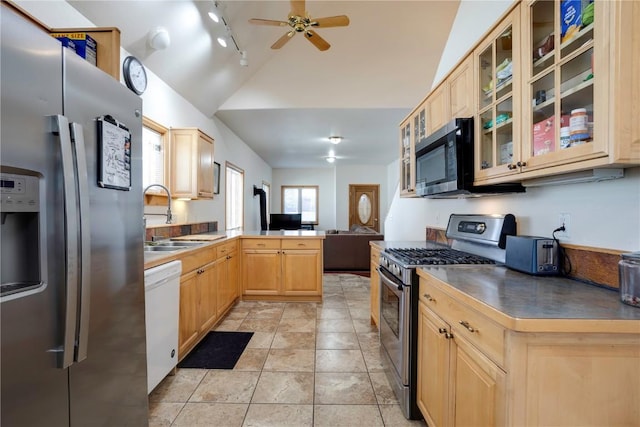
column 60, row 127
column 77, row 139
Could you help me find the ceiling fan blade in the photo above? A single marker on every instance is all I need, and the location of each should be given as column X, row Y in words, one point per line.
column 317, row 41
column 268, row 22
column 297, row 8
column 331, row 21
column 283, row 40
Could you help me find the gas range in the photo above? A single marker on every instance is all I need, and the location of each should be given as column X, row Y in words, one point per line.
column 476, row 239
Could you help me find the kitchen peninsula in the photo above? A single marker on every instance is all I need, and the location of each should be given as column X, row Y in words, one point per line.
column 253, row 265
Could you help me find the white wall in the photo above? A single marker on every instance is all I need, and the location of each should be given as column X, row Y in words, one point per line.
column 324, row 178
column 165, row 106
column 604, row 215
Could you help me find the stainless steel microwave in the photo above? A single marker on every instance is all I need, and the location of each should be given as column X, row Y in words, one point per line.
column 444, row 164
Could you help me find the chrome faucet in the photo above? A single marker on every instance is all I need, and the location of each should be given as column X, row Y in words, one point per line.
column 169, row 215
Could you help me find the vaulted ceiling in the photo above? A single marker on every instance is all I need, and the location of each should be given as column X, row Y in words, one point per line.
column 287, row 102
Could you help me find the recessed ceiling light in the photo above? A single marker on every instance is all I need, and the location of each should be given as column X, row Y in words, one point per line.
column 335, row 139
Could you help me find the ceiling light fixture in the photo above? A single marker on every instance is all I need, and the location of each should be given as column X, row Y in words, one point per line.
column 330, row 159
column 335, row 139
column 227, row 38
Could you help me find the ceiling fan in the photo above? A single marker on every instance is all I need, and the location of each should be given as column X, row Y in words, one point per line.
column 300, row 22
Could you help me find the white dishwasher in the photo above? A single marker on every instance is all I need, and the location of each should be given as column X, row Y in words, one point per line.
column 162, row 307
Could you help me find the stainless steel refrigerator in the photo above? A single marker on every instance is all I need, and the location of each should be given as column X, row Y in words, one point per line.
column 72, row 303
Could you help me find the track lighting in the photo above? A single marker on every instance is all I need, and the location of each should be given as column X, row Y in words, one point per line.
column 227, row 38
column 222, row 41
column 214, row 13
column 244, row 62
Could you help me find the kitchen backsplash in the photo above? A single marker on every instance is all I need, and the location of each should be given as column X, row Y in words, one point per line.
column 168, row 231
column 592, row 265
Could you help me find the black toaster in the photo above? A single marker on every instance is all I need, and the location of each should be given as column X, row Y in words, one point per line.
column 533, row 255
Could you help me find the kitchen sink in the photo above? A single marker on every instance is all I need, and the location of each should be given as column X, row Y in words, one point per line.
column 163, row 248
column 180, row 243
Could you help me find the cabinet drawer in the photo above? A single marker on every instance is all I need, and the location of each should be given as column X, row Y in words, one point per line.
column 301, row 244
column 226, row 248
column 260, row 243
column 197, row 259
column 482, row 332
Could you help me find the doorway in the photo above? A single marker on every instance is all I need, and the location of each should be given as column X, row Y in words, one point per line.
column 364, row 205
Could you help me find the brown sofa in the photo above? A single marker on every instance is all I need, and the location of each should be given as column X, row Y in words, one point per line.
column 348, row 250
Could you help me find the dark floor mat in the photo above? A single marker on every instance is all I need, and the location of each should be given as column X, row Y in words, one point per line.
column 218, row 350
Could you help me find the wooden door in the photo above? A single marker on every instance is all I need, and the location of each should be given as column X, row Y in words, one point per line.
column 207, row 297
column 261, row 271
column 364, row 206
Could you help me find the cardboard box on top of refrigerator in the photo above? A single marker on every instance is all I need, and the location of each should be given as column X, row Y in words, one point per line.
column 82, row 43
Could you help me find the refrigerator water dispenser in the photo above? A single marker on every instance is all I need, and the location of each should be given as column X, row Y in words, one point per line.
column 20, row 243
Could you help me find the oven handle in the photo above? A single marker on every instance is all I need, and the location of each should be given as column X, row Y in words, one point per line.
column 390, row 281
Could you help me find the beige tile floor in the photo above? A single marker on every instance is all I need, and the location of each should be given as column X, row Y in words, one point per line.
column 307, row 364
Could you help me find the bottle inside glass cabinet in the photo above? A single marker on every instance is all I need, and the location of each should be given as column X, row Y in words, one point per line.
column 561, row 75
column 496, row 102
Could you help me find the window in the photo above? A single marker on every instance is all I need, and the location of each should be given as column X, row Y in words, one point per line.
column 303, row 200
column 154, row 138
column 234, row 197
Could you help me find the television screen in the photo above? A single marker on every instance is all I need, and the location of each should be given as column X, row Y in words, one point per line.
column 285, row 221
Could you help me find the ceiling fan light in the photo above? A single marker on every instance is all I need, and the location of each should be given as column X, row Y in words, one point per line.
column 335, row 139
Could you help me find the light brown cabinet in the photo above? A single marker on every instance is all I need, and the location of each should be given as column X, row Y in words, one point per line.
column 438, row 109
column 408, row 157
column 458, row 385
column 226, row 276
column 208, row 288
column 460, row 87
column 191, row 171
column 375, row 286
column 497, row 94
column 558, row 371
column 282, row 269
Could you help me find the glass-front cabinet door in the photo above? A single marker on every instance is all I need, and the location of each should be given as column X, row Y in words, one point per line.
column 407, row 160
column 562, row 79
column 497, row 123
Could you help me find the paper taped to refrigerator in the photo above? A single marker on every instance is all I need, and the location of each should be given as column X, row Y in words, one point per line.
column 114, row 169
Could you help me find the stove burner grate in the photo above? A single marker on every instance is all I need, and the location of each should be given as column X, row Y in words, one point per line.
column 417, row 256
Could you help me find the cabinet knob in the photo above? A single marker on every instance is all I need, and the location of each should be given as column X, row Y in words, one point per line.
column 468, row 326
column 429, row 298
column 521, row 164
column 511, row 167
column 442, row 330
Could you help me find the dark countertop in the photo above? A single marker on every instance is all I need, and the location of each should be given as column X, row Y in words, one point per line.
column 537, row 303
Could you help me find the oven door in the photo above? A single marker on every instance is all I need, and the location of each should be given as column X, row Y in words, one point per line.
column 394, row 318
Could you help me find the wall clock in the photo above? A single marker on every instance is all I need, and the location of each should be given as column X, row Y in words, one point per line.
column 135, row 75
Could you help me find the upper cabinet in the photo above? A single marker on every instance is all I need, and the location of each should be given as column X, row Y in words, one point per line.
column 580, row 86
column 191, row 174
column 553, row 88
column 497, row 60
column 407, row 159
column 460, row 86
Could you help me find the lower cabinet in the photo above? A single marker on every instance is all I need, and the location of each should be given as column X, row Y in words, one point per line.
column 571, row 377
column 375, row 286
column 282, row 269
column 457, row 385
column 207, row 290
column 226, row 277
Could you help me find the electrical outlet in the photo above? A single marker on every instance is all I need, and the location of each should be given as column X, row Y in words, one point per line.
column 564, row 219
